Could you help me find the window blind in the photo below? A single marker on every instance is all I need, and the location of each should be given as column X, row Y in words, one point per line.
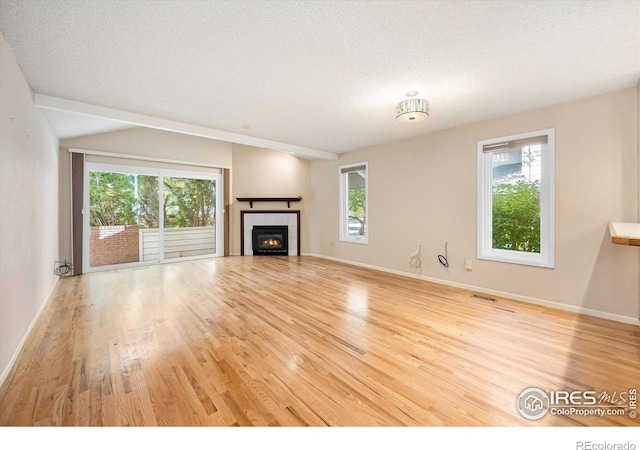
column 518, row 143
column 353, row 169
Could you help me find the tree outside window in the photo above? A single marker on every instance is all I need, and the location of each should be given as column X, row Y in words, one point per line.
column 126, row 199
column 353, row 203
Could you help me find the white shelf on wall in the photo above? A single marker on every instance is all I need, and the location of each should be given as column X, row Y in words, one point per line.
column 625, row 233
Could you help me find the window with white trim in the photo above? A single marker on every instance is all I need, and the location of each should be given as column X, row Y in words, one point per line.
column 354, row 219
column 516, row 198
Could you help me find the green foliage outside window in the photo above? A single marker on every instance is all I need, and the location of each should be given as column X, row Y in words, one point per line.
column 189, row 202
column 148, row 205
column 112, row 198
column 114, row 201
column 516, row 216
column 357, row 210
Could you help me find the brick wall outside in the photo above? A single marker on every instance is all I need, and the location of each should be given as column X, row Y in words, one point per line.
column 114, row 245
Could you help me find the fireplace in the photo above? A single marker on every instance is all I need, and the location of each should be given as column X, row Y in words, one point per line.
column 270, row 240
column 270, row 218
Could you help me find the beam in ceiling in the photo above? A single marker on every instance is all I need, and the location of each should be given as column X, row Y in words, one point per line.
column 46, row 102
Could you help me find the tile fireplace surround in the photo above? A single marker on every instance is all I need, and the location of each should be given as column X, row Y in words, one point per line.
column 290, row 218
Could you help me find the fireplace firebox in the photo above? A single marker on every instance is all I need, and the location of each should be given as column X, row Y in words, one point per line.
column 270, row 240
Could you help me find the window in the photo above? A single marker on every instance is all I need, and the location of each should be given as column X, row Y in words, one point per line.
column 516, row 198
column 354, row 219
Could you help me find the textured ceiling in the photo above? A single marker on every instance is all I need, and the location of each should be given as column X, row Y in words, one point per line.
column 321, row 74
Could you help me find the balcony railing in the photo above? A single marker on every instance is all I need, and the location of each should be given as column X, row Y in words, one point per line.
column 178, row 242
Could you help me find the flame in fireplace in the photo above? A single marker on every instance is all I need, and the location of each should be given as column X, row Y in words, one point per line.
column 269, row 240
column 270, row 243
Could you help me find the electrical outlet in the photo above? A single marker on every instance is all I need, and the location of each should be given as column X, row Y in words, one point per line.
column 468, row 264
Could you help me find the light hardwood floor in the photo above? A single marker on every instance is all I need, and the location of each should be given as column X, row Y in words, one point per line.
column 295, row 341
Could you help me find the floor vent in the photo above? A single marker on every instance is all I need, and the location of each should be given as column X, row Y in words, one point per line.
column 482, row 297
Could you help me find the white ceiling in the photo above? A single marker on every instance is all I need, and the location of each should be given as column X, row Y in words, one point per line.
column 324, row 75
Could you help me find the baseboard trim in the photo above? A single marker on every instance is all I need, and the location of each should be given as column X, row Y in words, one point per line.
column 14, row 357
column 508, row 295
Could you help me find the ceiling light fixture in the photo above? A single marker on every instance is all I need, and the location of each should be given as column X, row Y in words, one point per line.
column 412, row 110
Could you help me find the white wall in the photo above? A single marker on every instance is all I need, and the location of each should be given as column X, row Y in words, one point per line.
column 28, row 208
column 423, row 190
column 149, row 142
column 258, row 172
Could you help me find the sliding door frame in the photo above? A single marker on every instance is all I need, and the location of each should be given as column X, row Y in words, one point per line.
column 160, row 173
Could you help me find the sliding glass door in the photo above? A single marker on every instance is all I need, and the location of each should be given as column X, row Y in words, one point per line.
column 189, row 216
column 141, row 216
